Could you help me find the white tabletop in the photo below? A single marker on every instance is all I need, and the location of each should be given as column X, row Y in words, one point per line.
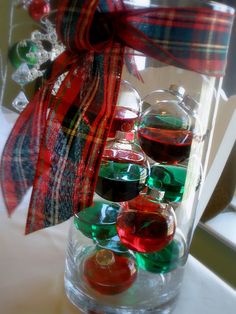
column 32, row 267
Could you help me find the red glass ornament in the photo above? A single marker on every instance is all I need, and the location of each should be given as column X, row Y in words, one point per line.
column 38, row 8
column 169, row 146
column 166, row 130
column 109, row 273
column 127, row 110
column 146, row 225
column 123, row 120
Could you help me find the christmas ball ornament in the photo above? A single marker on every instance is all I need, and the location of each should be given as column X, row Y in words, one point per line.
column 126, row 111
column 170, row 179
column 174, row 92
column 165, row 132
column 146, row 225
column 109, row 273
column 165, row 260
column 23, row 52
column 124, row 120
column 98, row 221
column 124, row 169
column 38, row 8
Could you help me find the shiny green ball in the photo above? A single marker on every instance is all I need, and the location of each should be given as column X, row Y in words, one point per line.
column 19, row 53
column 162, row 261
column 98, row 221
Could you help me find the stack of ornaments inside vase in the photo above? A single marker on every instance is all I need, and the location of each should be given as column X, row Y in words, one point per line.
column 132, row 220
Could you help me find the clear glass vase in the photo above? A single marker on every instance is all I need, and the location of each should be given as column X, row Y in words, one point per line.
column 103, row 274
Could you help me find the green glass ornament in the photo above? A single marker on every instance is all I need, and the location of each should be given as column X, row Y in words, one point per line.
column 124, row 169
column 20, row 53
column 169, row 179
column 98, row 221
column 165, row 260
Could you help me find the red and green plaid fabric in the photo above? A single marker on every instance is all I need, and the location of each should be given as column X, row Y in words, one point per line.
column 57, row 142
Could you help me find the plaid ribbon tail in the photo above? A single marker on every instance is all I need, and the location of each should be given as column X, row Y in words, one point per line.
column 21, row 152
column 77, row 128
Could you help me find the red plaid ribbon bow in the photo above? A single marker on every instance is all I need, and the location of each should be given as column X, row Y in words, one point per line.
column 57, row 142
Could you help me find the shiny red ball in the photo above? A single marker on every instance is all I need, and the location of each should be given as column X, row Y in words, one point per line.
column 144, row 225
column 38, row 8
column 109, row 273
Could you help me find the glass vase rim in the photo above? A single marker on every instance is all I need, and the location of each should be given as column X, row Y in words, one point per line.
column 214, row 5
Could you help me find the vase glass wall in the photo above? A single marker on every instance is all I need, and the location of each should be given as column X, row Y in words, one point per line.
column 103, row 274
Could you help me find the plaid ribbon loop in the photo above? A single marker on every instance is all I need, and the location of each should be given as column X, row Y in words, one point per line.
column 193, row 38
column 84, row 27
column 57, row 142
